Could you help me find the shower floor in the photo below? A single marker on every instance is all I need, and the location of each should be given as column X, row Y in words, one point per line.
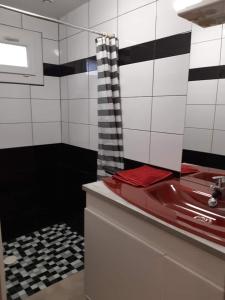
column 44, row 257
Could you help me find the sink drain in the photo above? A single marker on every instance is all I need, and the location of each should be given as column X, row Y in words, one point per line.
column 10, row 260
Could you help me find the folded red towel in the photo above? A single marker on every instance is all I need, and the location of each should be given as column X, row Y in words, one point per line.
column 142, row 176
column 188, row 169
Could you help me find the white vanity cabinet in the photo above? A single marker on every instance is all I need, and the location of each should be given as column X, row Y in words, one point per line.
column 129, row 256
column 119, row 266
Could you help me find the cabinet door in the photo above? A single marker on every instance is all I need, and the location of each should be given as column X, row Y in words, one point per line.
column 182, row 283
column 117, row 265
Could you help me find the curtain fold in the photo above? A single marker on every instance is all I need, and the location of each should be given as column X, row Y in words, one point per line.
column 110, row 149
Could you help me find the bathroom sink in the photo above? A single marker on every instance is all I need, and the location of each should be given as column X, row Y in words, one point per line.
column 177, row 205
column 207, row 176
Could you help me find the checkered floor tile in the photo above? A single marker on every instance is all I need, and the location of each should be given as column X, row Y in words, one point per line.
column 43, row 258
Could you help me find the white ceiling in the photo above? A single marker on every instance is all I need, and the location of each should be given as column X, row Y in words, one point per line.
column 55, row 10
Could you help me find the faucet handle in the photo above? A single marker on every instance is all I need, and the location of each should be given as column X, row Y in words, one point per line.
column 220, row 180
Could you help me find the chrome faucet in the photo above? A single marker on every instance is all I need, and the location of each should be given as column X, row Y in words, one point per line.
column 218, row 190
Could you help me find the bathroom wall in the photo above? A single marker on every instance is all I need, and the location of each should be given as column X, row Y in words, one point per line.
column 154, row 64
column 205, row 117
column 30, row 115
column 30, row 178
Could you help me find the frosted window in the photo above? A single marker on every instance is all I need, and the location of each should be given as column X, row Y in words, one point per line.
column 13, row 55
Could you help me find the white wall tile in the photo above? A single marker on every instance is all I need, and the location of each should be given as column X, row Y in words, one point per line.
column 136, row 79
column 78, row 111
column 101, row 10
column 93, row 138
column 79, row 135
column 202, row 92
column 218, row 146
column 220, row 117
column 198, row 139
column 137, row 26
column 171, row 75
column 50, row 90
column 127, row 5
column 205, row 54
column 63, row 29
column 200, row 116
column 168, row 114
column 79, row 17
column 78, row 86
column 136, row 113
column 10, row 18
column 15, row 110
column 78, row 46
column 65, row 110
column 93, row 84
column 93, row 111
column 48, row 29
column 222, row 62
column 136, row 145
column 109, row 26
column 166, row 150
column 15, row 135
column 63, row 50
column 200, row 34
column 221, row 92
column 65, row 133
column 168, row 22
column 64, row 88
column 14, row 91
column 50, row 51
column 46, row 110
column 47, row 133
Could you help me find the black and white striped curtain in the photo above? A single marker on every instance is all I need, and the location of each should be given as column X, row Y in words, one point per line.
column 110, row 154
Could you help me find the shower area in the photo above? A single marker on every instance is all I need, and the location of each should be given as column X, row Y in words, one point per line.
column 49, row 141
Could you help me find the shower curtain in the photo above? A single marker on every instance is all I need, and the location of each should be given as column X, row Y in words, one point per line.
column 110, row 149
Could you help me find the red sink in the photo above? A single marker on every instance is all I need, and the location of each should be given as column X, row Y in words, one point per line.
column 207, row 176
column 178, row 205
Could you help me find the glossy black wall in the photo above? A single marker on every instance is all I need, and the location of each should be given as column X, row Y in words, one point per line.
column 41, row 185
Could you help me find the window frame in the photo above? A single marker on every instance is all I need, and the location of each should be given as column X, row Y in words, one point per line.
column 32, row 40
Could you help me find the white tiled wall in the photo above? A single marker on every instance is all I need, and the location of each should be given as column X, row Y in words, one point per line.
column 205, row 121
column 153, row 92
column 171, row 75
column 129, row 26
column 31, row 115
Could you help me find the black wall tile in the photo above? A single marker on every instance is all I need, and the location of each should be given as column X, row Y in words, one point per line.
column 52, row 70
column 173, row 45
column 137, row 53
column 41, row 185
column 204, row 73
column 74, row 67
column 204, row 159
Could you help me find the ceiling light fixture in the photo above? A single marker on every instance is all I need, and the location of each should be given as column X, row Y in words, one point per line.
column 182, row 4
column 204, row 13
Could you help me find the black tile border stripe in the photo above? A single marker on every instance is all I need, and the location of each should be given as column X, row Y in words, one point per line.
column 204, row 159
column 207, row 73
column 52, row 70
column 138, row 53
column 173, row 45
column 166, row 47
